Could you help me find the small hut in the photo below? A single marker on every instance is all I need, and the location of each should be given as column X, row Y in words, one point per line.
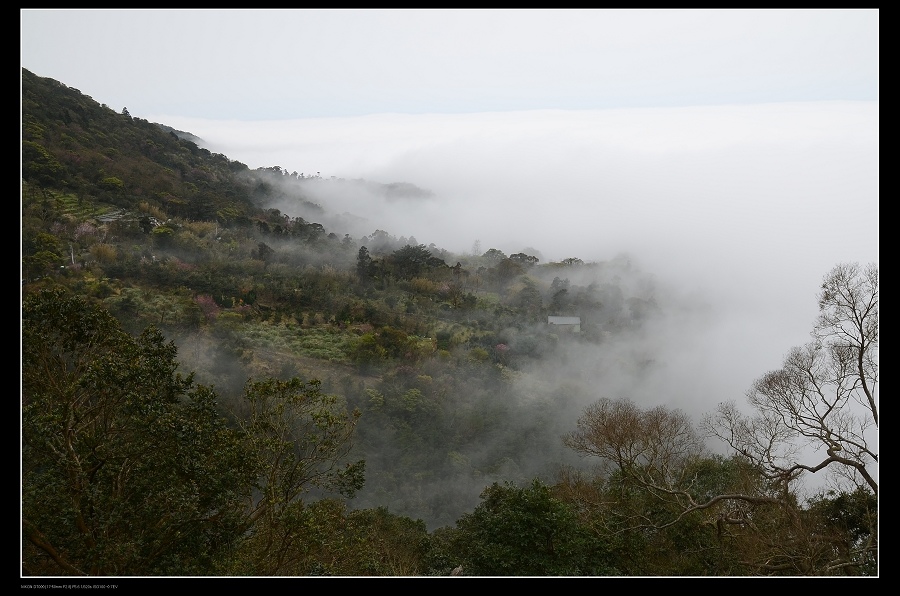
column 567, row 324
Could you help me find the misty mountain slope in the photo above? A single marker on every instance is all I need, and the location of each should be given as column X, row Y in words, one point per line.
column 449, row 357
column 591, row 294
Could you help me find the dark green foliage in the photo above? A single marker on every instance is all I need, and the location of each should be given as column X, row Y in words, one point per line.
column 524, row 260
column 383, row 344
column 162, row 236
column 300, row 436
column 506, row 271
column 131, row 469
column 41, row 252
column 112, row 184
column 411, row 261
column 323, row 538
column 528, row 300
column 263, row 252
column 364, row 266
column 72, row 142
column 127, row 467
column 138, row 216
column 526, row 531
column 493, row 256
column 851, row 519
column 39, row 165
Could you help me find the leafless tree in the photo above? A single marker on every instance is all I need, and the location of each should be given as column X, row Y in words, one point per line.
column 820, row 410
column 659, row 451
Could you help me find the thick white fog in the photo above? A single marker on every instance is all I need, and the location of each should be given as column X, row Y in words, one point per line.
column 730, row 156
column 736, row 211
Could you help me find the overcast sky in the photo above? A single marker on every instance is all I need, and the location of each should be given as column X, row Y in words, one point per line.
column 288, row 64
column 733, row 153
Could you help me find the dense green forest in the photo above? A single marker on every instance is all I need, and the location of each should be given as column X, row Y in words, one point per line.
column 213, row 387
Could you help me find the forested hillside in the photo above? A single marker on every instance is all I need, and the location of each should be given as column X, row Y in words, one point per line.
column 214, row 387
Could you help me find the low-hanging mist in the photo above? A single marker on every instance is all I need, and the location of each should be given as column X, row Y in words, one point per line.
column 734, row 212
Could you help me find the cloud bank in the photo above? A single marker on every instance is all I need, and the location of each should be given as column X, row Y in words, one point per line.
column 737, row 212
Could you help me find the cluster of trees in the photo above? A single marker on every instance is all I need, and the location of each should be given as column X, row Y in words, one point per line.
column 381, row 373
column 129, row 468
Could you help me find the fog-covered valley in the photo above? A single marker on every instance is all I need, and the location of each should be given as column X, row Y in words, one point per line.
column 724, row 219
column 449, row 292
column 738, row 211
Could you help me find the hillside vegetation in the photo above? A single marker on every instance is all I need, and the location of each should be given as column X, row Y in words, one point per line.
column 319, row 402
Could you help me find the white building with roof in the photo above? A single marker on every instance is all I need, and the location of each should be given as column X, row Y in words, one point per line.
column 571, row 324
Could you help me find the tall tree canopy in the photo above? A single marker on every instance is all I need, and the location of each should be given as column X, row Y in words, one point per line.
column 127, row 468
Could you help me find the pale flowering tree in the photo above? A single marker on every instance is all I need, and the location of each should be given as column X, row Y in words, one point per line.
column 85, row 229
column 208, row 306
